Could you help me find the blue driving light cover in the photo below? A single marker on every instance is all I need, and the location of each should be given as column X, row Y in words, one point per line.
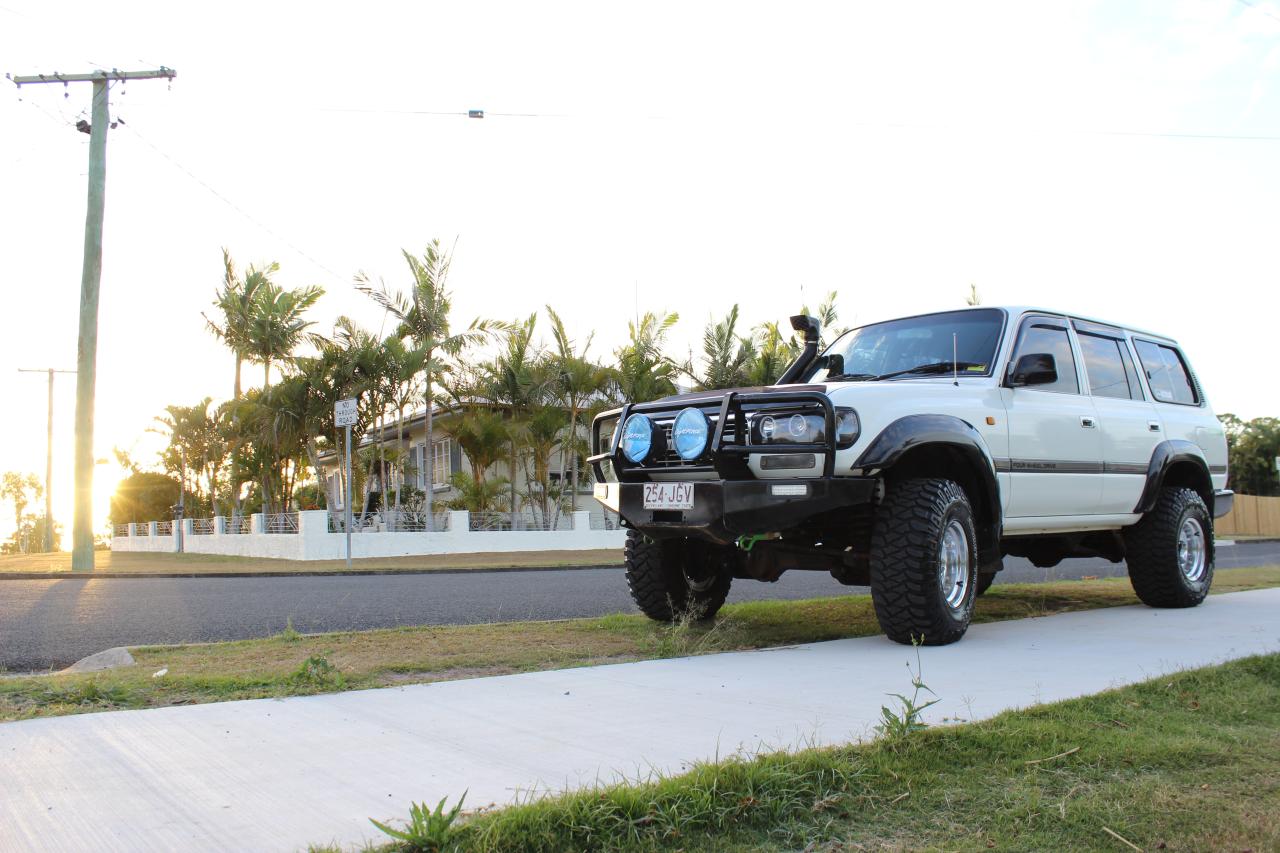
column 637, row 438
column 690, row 433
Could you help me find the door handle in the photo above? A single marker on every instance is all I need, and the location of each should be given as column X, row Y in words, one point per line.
column 1154, row 426
column 1088, row 422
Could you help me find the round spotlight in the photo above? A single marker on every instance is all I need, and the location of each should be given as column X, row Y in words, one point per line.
column 637, row 438
column 690, row 433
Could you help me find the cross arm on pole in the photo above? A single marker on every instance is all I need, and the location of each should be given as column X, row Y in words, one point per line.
column 93, row 76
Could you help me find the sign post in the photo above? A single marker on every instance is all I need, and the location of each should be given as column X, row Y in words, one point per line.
column 345, row 414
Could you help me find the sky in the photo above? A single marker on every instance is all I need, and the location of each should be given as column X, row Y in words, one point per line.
column 1118, row 160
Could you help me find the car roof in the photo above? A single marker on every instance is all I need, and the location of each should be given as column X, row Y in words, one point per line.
column 1017, row 310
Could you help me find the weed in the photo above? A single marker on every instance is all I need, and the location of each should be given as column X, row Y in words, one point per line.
column 894, row 726
column 289, row 634
column 88, row 693
column 690, row 634
column 427, row 831
column 316, row 671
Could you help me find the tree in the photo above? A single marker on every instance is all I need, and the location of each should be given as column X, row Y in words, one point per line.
column 144, row 496
column 21, row 490
column 1252, row 448
column 276, row 324
column 726, row 356
column 423, row 314
column 483, row 435
column 194, row 436
column 517, row 381
column 644, row 371
column 235, row 308
column 576, row 382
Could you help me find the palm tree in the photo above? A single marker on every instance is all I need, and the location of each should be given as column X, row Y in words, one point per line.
column 577, row 381
column 423, row 315
column 483, row 435
column 276, row 325
column 404, row 367
column 726, row 355
column 644, row 372
column 516, row 380
column 235, row 304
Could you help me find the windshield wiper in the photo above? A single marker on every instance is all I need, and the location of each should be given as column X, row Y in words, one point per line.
column 851, row 377
column 933, row 367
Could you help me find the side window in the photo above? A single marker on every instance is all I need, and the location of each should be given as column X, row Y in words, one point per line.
column 1105, row 365
column 1043, row 335
column 1167, row 373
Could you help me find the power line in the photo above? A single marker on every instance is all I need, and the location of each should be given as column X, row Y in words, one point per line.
column 229, row 203
column 453, row 113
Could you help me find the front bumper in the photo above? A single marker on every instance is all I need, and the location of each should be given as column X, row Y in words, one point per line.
column 724, row 510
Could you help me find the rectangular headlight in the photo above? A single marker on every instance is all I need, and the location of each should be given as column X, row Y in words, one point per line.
column 605, row 440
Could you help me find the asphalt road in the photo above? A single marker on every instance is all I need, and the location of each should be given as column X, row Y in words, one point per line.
column 53, row 623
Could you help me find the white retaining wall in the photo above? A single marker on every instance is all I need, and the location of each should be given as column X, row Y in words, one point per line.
column 313, row 541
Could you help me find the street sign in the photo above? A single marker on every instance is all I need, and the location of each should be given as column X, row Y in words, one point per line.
column 345, row 413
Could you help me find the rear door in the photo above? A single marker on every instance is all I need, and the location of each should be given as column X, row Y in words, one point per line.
column 1055, row 446
column 1128, row 422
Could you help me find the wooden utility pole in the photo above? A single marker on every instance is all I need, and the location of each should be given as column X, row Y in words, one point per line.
column 48, row 458
column 90, row 279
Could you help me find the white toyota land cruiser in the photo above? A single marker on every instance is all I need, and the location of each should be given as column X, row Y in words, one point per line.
column 912, row 455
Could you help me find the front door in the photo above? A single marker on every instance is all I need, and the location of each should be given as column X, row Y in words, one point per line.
column 1055, row 445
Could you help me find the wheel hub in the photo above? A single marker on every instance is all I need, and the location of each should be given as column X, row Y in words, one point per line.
column 953, row 564
column 1192, row 550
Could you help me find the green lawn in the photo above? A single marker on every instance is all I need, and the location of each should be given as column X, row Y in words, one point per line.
column 1181, row 763
column 291, row 664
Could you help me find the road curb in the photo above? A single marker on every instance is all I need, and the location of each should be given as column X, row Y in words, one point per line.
column 32, row 576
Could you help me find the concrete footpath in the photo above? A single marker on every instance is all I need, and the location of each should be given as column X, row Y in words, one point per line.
column 280, row 774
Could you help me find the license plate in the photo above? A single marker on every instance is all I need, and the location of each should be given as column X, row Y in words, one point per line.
column 668, row 495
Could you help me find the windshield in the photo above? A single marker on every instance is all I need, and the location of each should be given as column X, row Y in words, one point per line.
column 909, row 346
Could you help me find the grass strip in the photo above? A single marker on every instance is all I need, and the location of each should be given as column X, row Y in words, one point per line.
column 1185, row 762
column 293, row 664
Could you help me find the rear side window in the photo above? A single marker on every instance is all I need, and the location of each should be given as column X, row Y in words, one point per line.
column 1049, row 337
column 1107, row 364
column 1167, row 373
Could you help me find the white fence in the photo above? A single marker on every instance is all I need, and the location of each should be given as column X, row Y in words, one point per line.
column 310, row 536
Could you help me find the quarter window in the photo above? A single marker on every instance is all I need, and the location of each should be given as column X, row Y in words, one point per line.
column 1044, row 336
column 1105, row 363
column 1167, row 373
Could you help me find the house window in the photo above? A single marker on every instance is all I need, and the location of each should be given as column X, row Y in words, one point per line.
column 440, row 463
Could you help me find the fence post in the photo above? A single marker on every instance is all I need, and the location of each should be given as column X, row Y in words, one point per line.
column 188, row 529
column 581, row 521
column 135, row 529
column 153, row 528
column 459, row 521
column 219, row 525
column 257, row 523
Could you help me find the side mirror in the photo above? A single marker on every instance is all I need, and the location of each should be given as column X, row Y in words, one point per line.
column 811, row 326
column 1034, row 368
column 834, row 364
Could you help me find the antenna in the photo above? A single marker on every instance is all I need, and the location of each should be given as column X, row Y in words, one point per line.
column 955, row 367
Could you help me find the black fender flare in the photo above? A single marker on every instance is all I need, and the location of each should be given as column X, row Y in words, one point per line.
column 1165, row 456
column 914, row 431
